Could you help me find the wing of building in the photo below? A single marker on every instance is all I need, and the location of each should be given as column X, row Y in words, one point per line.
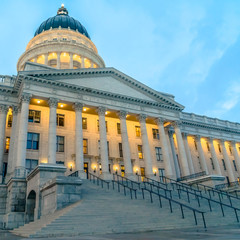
column 67, row 110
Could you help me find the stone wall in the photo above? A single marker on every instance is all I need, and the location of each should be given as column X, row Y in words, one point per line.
column 3, row 200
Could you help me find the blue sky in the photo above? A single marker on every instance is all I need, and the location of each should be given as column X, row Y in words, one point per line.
column 190, row 49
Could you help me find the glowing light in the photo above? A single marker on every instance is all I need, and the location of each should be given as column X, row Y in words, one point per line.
column 38, row 101
column 61, row 105
column 62, row 5
column 106, row 113
column 84, row 109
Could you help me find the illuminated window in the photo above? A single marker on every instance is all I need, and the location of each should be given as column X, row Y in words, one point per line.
column 138, row 131
column 31, row 164
column 85, row 146
column 52, row 59
column 60, row 144
column 223, row 163
column 208, row 147
column 122, row 170
column 140, row 152
column 10, row 119
column 120, row 149
column 219, row 148
column 159, row 155
column 7, row 146
column 87, row 63
column 34, row 116
column 65, row 60
column 155, row 133
column 105, row 123
column 84, row 123
column 95, row 65
column 33, row 141
column 60, row 120
column 118, row 128
column 41, row 59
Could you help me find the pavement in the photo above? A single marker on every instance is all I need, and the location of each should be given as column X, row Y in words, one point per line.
column 214, row 233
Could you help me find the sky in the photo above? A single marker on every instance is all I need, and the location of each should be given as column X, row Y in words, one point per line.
column 187, row 48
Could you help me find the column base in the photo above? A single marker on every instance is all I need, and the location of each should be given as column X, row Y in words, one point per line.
column 106, row 176
column 82, row 174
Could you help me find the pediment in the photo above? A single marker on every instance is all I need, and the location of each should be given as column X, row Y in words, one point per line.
column 108, row 80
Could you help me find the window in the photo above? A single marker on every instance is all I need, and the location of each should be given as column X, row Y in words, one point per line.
column 33, row 141
column 84, row 123
column 234, row 164
column 98, row 125
column 208, row 147
column 85, row 146
column 118, row 128
column 99, row 147
column 120, row 150
column 211, row 160
column 138, row 131
column 155, row 133
column 140, row 153
column 219, row 148
column 34, row 116
column 223, row 163
column 60, row 144
column 230, row 149
column 60, row 120
column 200, row 166
column 159, row 156
column 7, row 146
column 195, row 144
column 10, row 118
column 31, row 164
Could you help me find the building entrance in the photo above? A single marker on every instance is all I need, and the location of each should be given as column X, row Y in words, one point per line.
column 142, row 169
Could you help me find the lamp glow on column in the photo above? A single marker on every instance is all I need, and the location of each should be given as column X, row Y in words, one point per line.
column 71, row 167
column 155, row 172
column 136, row 170
column 116, row 170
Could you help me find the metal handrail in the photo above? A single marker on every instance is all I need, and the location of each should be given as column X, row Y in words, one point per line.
column 127, row 180
column 220, row 203
column 224, row 185
column 121, row 183
column 94, row 177
column 191, row 176
column 170, row 201
column 154, row 181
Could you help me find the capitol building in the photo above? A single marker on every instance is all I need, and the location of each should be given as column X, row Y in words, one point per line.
column 67, row 112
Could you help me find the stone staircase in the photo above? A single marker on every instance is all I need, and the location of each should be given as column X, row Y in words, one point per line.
column 108, row 211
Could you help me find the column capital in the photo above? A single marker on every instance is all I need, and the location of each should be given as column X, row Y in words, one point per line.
column 16, row 109
column 3, row 108
column 198, row 137
column 122, row 114
column 53, row 102
column 185, row 134
column 233, row 142
column 77, row 106
column 142, row 117
column 176, row 124
column 101, row 111
column 160, row 121
column 210, row 139
column 26, row 97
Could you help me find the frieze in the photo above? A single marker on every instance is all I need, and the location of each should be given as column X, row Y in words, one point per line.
column 3, row 108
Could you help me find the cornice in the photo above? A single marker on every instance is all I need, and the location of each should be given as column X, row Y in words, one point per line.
column 210, row 127
column 98, row 72
column 99, row 93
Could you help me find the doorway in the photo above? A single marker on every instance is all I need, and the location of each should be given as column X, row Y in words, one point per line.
column 142, row 169
column 30, row 206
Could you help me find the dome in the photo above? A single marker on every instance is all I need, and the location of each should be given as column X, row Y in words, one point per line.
column 63, row 20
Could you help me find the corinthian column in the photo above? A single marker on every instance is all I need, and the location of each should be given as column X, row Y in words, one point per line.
column 227, row 162
column 214, row 156
column 125, row 145
column 201, row 154
column 165, row 150
column 13, row 140
column 103, row 143
column 52, row 139
column 79, row 140
column 20, row 169
column 188, row 153
column 181, row 150
column 3, row 115
column 146, row 148
column 236, row 156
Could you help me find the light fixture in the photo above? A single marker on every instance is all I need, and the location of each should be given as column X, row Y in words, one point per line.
column 116, row 170
column 61, row 105
column 38, row 101
column 71, row 167
column 106, row 113
column 136, row 171
column 155, row 172
column 94, row 170
column 84, row 109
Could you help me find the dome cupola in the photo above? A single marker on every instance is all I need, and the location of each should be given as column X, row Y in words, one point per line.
column 61, row 42
column 64, row 21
